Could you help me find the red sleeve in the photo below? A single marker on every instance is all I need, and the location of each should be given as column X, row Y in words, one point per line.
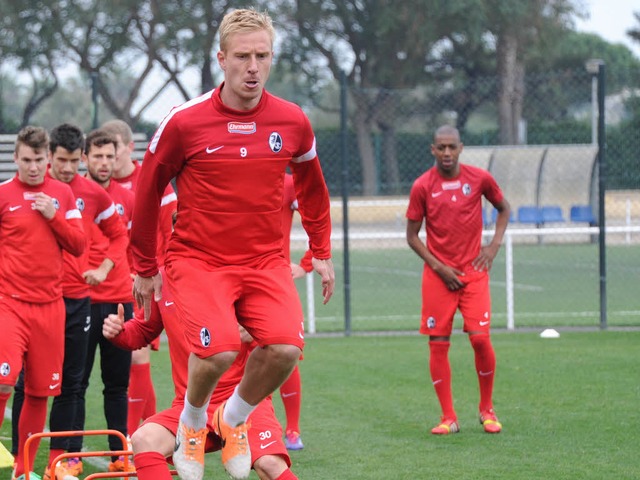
column 313, row 205
column 305, row 261
column 139, row 333
column 69, row 233
column 162, row 161
column 168, row 206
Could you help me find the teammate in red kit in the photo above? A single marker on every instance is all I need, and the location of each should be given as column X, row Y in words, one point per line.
column 291, row 389
column 154, row 441
column 99, row 155
column 142, row 397
column 228, row 150
column 448, row 198
column 38, row 221
column 66, row 145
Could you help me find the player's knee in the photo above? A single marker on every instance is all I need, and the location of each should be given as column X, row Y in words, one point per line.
column 6, row 389
column 285, row 354
column 151, row 437
column 270, row 467
column 480, row 341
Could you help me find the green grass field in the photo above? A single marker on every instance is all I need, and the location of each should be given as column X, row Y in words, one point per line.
column 554, row 286
column 569, row 407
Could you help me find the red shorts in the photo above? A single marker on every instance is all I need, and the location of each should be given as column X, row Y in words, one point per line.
column 212, row 301
column 439, row 304
column 265, row 432
column 33, row 332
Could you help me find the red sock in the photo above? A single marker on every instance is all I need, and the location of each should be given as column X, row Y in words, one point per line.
column 4, row 398
column 139, row 384
column 151, row 466
column 441, row 377
column 53, row 454
column 32, row 420
column 485, row 367
column 287, row 475
column 150, row 403
column 291, row 394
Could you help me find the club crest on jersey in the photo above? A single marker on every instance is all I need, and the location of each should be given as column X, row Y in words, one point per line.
column 275, row 142
column 5, row 369
column 120, row 209
column 80, row 204
column 56, row 203
column 239, row 127
column 466, row 189
column 205, row 337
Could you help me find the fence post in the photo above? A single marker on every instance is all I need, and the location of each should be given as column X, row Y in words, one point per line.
column 345, row 201
column 508, row 251
column 602, row 185
column 311, row 307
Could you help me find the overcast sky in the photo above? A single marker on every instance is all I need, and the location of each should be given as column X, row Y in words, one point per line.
column 611, row 19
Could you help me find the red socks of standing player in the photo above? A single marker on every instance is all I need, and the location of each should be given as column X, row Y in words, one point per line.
column 151, row 466
column 291, row 394
column 142, row 401
column 32, row 419
column 441, row 376
column 485, row 366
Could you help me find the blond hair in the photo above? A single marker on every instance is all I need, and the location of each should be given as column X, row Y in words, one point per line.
column 118, row 127
column 244, row 21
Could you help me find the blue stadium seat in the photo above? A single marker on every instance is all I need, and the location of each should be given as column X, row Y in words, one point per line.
column 582, row 214
column 529, row 214
column 551, row 214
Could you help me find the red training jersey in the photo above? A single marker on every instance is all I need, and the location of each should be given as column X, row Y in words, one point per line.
column 96, row 208
column 229, row 167
column 31, row 246
column 452, row 210
column 167, row 207
column 118, row 286
column 138, row 333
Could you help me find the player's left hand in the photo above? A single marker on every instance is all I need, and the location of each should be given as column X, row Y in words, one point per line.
column 325, row 270
column 484, row 260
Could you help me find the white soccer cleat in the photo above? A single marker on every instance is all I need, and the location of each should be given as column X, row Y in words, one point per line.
column 188, row 455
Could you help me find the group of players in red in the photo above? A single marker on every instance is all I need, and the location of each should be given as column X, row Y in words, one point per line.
column 222, row 286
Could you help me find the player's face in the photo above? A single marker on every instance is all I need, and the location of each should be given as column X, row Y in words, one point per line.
column 246, row 63
column 100, row 162
column 446, row 150
column 123, row 155
column 64, row 164
column 32, row 164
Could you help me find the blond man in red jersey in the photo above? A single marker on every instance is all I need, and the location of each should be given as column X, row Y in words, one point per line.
column 228, row 150
column 448, row 199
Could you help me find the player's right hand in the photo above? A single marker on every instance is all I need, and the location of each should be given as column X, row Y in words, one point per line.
column 451, row 277
column 146, row 289
column 113, row 324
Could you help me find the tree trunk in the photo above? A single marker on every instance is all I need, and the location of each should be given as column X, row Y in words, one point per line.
column 362, row 127
column 507, row 51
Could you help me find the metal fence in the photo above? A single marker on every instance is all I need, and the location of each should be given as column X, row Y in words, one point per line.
column 560, row 273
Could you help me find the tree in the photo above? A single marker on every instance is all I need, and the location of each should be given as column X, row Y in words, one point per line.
column 28, row 41
column 381, row 45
